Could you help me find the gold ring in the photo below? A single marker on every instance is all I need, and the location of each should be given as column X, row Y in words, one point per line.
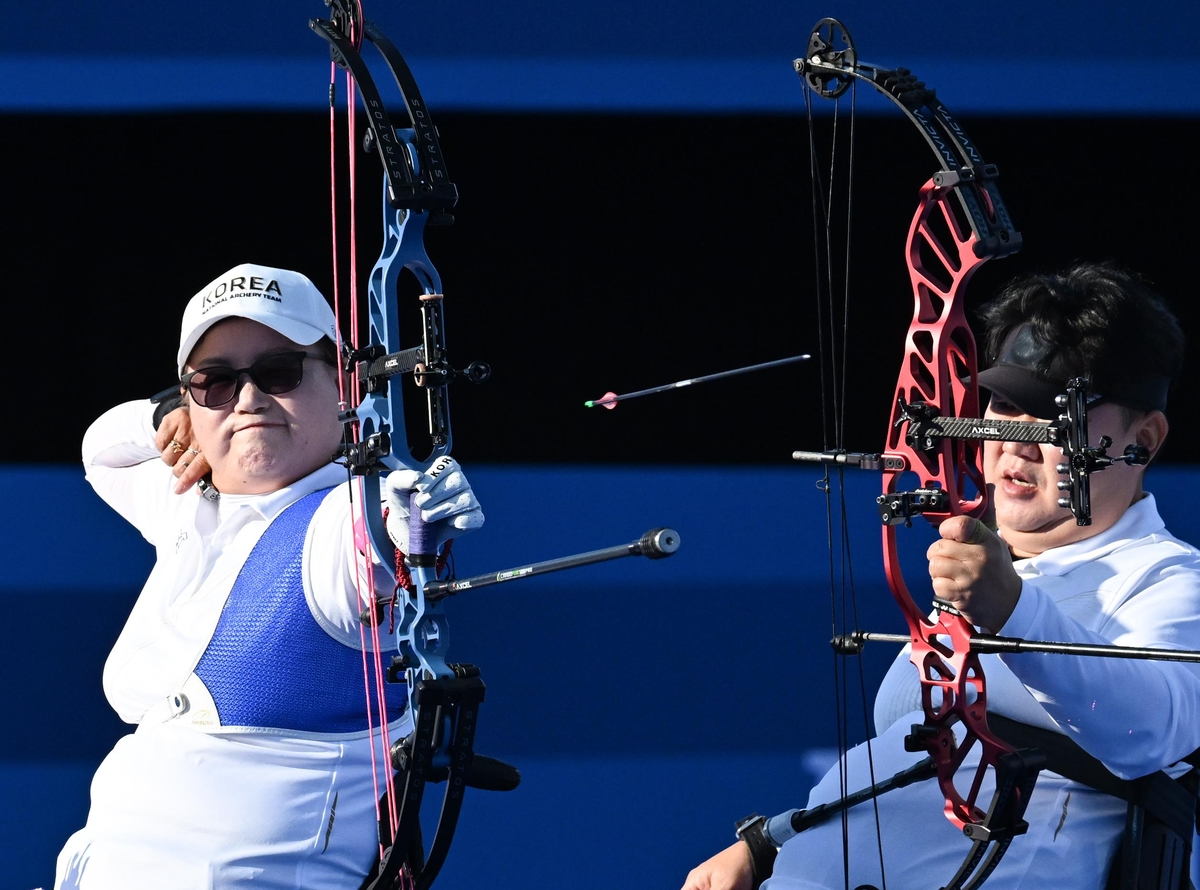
column 194, row 450
column 184, row 464
column 176, row 446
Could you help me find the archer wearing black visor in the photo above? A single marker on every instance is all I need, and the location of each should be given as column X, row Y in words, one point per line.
column 1123, row 579
column 1031, row 371
column 1094, row 322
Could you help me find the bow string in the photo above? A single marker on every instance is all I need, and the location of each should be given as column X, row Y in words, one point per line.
column 443, row 698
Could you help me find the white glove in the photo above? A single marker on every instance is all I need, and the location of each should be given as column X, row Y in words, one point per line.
column 445, row 501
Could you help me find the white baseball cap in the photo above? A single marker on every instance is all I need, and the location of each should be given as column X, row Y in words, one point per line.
column 284, row 301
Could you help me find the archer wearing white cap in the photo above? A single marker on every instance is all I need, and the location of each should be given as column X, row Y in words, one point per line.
column 241, row 661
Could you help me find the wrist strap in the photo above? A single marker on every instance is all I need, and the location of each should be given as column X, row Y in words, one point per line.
column 762, row 851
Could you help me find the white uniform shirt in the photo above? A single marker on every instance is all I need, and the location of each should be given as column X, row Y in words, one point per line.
column 186, row 806
column 1134, row 585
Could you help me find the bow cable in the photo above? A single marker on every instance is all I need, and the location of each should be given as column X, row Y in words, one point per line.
column 369, row 635
column 834, row 376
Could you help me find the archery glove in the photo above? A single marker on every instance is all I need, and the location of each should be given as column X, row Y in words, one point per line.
column 445, row 501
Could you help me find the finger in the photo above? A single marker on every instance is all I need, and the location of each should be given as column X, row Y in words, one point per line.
column 196, row 471
column 169, row 437
column 944, row 567
column 183, row 424
column 952, row 573
column 958, row 528
column 989, row 513
column 446, row 485
column 979, row 533
column 400, row 482
column 171, row 452
column 192, row 467
column 948, row 593
column 175, row 425
column 467, row 521
column 163, row 435
column 965, row 530
column 441, row 468
column 463, row 503
column 947, row 548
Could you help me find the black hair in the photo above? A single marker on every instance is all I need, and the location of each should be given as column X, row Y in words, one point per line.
column 1104, row 322
column 329, row 351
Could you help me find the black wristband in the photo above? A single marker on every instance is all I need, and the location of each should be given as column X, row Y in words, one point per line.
column 762, row 851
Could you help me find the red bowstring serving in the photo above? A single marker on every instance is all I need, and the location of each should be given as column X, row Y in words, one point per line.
column 365, row 574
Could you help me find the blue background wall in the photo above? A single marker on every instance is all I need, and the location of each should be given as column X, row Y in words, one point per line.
column 648, row 705
column 619, row 55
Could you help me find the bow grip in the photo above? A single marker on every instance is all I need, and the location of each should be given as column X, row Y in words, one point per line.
column 422, row 541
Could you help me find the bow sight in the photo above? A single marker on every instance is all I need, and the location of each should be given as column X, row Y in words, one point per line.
column 924, row 429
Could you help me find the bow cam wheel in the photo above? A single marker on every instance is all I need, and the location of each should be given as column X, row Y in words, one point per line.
column 830, row 59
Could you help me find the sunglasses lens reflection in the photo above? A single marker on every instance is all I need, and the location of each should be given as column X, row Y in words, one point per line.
column 275, row 375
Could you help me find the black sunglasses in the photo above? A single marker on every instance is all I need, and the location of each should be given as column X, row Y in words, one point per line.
column 273, row 374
